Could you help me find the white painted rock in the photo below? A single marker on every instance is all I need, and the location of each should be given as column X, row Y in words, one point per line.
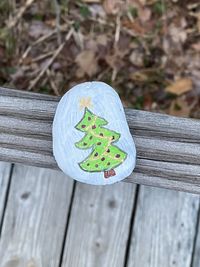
column 91, row 139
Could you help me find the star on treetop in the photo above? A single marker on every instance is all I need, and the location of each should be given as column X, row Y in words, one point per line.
column 85, row 102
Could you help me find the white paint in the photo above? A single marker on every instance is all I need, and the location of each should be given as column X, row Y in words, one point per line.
column 106, row 104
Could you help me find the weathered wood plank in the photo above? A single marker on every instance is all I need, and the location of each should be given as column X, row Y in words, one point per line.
column 163, row 126
column 25, row 127
column 177, row 176
column 4, row 91
column 196, row 252
column 164, row 228
column 157, row 181
column 38, row 138
column 5, row 169
column 27, row 108
column 99, row 226
column 168, row 148
column 35, row 218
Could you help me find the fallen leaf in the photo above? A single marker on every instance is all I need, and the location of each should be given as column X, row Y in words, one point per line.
column 134, row 26
column 144, row 14
column 180, row 86
column 151, row 2
column 92, row 1
column 196, row 46
column 112, row 6
column 87, row 62
column 97, row 11
column 137, row 58
column 139, row 76
column 102, row 39
column 178, row 34
column 148, row 101
column 2, row 53
column 179, row 107
column 197, row 16
column 38, row 29
column 150, row 75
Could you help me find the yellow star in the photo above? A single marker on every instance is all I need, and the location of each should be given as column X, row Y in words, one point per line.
column 85, row 102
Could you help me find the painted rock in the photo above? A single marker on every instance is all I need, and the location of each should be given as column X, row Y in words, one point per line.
column 91, row 138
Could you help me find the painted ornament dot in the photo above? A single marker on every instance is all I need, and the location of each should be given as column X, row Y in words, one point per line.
column 91, row 139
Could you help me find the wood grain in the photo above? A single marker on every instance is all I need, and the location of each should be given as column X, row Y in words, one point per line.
column 196, row 252
column 99, row 226
column 35, row 218
column 5, row 170
column 164, row 229
column 168, row 148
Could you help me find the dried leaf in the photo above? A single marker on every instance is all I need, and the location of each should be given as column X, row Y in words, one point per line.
column 102, row 39
column 180, row 108
column 180, row 86
column 196, row 46
column 137, row 58
column 139, row 76
column 144, row 14
column 87, row 62
column 112, row 6
column 135, row 27
column 38, row 29
column 114, row 61
column 178, row 34
column 197, row 16
column 91, row 1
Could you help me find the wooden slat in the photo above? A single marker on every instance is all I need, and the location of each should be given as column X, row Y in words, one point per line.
column 164, row 229
column 35, row 219
column 168, row 148
column 5, row 169
column 196, row 253
column 99, row 226
column 27, row 108
column 164, row 126
column 154, row 148
column 25, row 94
column 25, row 127
column 169, row 175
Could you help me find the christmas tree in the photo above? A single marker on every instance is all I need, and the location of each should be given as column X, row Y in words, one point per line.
column 105, row 156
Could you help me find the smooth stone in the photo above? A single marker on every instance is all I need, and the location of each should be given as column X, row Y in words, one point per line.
column 91, row 138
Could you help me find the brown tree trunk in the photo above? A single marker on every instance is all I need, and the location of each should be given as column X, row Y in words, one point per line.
column 109, row 173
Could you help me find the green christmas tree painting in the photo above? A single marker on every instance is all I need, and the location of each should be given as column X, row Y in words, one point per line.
column 105, row 155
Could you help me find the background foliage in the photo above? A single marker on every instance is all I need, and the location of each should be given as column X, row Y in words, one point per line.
column 149, row 50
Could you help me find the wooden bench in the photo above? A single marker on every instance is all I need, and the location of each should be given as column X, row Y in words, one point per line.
column 48, row 220
column 168, row 148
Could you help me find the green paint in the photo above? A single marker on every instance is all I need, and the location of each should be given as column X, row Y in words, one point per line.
column 105, row 156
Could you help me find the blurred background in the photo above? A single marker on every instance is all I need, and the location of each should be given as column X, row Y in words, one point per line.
column 148, row 50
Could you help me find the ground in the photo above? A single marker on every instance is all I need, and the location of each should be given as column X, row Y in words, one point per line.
column 149, row 50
